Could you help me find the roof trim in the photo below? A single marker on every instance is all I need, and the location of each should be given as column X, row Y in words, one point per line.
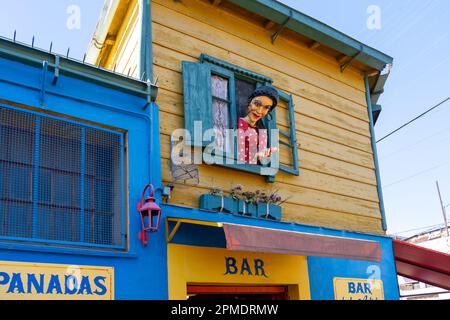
column 67, row 66
column 101, row 30
column 316, row 30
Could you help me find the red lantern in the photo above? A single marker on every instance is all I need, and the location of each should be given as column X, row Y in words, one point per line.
column 152, row 211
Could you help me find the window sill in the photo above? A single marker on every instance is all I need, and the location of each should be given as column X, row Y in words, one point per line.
column 61, row 250
column 256, row 169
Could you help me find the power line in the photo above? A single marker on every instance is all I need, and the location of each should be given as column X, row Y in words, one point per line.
column 419, row 142
column 417, row 174
column 411, row 121
column 416, row 229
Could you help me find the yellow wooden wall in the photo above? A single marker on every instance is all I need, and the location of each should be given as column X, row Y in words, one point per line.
column 125, row 54
column 337, row 185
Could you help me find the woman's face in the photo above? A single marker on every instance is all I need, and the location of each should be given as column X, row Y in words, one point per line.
column 259, row 107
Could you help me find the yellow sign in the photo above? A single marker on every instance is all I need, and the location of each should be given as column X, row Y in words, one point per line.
column 216, row 266
column 358, row 289
column 36, row 281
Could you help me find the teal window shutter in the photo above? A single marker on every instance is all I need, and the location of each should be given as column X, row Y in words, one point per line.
column 290, row 135
column 270, row 125
column 202, row 104
column 197, row 98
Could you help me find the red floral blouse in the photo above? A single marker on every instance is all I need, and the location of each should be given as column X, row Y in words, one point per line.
column 249, row 142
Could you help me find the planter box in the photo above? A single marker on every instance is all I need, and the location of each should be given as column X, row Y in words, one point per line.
column 211, row 202
column 271, row 212
column 247, row 209
column 215, row 203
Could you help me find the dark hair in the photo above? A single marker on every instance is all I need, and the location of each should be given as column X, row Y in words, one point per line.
column 267, row 91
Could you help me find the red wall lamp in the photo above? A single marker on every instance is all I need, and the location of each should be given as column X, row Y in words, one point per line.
column 152, row 211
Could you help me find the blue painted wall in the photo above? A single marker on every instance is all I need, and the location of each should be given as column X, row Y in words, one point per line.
column 321, row 270
column 141, row 272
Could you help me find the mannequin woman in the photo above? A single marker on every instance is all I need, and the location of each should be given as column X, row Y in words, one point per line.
column 252, row 134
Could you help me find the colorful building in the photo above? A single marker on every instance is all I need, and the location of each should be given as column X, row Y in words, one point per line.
column 82, row 143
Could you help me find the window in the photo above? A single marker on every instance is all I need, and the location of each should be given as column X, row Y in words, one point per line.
column 60, row 182
column 216, row 94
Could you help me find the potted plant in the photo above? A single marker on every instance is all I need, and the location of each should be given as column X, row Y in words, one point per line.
column 217, row 201
column 269, row 206
column 258, row 204
column 248, row 204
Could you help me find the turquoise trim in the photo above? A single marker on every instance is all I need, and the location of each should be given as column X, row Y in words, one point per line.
column 230, row 71
column 234, row 68
column 375, row 154
column 146, row 62
column 197, row 100
column 294, row 170
column 316, row 30
column 77, row 69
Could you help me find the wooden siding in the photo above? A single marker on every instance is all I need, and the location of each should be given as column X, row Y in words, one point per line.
column 124, row 56
column 337, row 185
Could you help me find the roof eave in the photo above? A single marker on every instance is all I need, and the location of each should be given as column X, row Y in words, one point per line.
column 317, row 31
column 78, row 69
column 101, row 30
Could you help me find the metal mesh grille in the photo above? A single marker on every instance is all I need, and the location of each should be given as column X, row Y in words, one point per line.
column 60, row 181
column 102, row 200
column 17, row 139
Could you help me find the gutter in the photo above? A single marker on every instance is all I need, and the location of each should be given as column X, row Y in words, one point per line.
column 61, row 65
column 375, row 154
column 101, row 31
column 146, row 74
column 146, row 57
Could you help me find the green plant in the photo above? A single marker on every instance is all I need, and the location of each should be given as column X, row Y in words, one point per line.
column 216, row 192
column 250, row 197
column 275, row 198
column 236, row 192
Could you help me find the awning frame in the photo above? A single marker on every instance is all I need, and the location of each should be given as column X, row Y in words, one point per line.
column 268, row 240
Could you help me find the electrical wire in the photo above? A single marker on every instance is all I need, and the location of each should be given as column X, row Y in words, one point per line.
column 419, row 142
column 422, row 228
column 416, row 118
column 417, row 174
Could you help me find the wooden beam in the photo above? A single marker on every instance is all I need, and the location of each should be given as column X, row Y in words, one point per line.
column 215, row 2
column 268, row 24
column 110, row 40
column 342, row 59
column 373, row 73
column 314, row 45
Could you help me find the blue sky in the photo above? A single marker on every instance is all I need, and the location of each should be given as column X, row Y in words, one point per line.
column 415, row 32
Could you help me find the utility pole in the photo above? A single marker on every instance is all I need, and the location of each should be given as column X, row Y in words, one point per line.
column 443, row 210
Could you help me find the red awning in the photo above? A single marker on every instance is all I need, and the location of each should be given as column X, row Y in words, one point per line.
column 254, row 239
column 422, row 264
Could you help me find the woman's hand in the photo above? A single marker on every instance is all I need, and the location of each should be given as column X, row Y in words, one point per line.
column 266, row 153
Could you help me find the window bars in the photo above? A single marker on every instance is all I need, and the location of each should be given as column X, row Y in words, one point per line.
column 60, row 181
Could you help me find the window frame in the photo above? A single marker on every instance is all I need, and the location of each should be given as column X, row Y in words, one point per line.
column 35, row 178
column 230, row 71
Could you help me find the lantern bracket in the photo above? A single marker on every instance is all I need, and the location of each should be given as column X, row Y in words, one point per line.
column 149, row 208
